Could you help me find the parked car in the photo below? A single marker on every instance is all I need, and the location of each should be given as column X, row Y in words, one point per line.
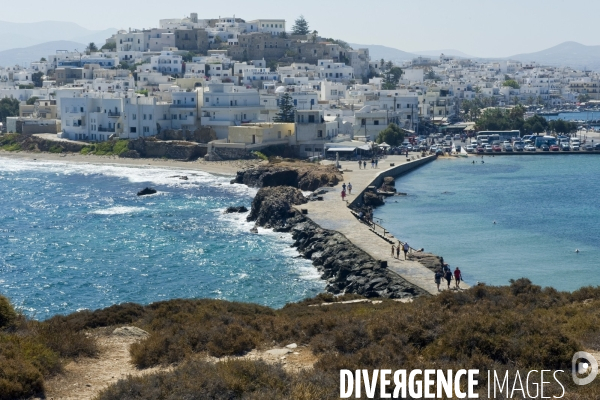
column 565, row 147
column 597, row 146
column 554, row 148
column 545, row 147
column 519, row 146
column 480, row 149
column 588, row 147
column 508, row 148
column 575, row 146
column 530, row 147
column 471, row 149
column 496, row 148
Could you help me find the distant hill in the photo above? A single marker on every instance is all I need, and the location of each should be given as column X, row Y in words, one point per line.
column 15, row 35
column 572, row 54
column 448, row 52
column 377, row 52
column 23, row 56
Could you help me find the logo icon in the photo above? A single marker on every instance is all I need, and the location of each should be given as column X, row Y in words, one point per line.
column 584, row 363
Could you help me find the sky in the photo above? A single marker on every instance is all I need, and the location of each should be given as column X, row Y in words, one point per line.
column 480, row 28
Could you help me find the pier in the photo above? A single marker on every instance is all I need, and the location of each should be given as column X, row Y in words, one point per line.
column 335, row 214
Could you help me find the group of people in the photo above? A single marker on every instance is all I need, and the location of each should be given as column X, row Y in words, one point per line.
column 344, row 193
column 405, row 248
column 366, row 215
column 446, row 273
column 363, row 164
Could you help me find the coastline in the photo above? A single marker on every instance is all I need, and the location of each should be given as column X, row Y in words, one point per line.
column 227, row 168
column 412, row 273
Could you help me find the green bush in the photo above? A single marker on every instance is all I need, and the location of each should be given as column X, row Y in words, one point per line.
column 120, row 146
column 55, row 149
column 8, row 316
column 12, row 147
column 260, row 155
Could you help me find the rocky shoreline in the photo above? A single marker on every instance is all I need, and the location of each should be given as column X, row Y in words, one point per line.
column 345, row 267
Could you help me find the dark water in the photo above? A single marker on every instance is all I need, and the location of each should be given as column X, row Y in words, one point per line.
column 77, row 236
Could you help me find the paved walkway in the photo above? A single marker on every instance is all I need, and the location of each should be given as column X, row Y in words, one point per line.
column 332, row 213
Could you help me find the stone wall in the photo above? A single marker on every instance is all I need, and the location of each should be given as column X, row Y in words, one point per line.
column 175, row 150
column 200, row 135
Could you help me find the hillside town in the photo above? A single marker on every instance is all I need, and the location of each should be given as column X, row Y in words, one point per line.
column 233, row 80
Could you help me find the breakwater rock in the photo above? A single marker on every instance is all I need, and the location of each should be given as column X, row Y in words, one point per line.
column 272, row 207
column 300, row 175
column 346, row 268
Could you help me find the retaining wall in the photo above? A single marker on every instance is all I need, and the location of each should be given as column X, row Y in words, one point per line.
column 394, row 172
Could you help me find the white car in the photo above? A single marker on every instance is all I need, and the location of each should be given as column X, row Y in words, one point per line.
column 529, row 147
column 470, row 148
column 575, row 146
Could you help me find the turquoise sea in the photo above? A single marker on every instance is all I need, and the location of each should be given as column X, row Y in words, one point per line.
column 545, row 207
column 76, row 236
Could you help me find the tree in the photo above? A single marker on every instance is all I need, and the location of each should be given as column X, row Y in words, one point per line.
column 430, row 75
column 391, row 78
column 562, row 126
column 314, row 36
column 43, row 59
column 37, row 79
column 300, row 26
column 91, row 48
column 8, row 108
column 392, row 135
column 110, row 46
column 535, row 124
column 583, row 98
column 31, row 101
column 287, row 112
column 511, row 83
column 188, row 56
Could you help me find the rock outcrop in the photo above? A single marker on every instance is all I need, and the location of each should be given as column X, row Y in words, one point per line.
column 303, row 176
column 371, row 199
column 431, row 261
column 146, row 191
column 232, row 209
column 388, row 184
column 272, row 207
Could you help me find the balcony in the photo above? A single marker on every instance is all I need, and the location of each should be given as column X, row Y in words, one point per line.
column 114, row 114
column 102, row 129
column 183, row 105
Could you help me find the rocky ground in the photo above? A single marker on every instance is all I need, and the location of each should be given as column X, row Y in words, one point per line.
column 345, row 267
column 304, row 176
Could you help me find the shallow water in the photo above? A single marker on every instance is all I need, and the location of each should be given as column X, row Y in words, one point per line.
column 76, row 236
column 545, row 207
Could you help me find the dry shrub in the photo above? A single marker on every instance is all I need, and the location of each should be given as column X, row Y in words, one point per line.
column 233, row 379
column 8, row 315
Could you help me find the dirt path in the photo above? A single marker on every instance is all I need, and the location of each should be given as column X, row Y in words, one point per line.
column 84, row 378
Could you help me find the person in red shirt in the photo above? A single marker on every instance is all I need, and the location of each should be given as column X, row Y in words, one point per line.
column 457, row 277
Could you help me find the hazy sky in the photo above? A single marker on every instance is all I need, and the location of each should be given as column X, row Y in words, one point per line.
column 483, row 28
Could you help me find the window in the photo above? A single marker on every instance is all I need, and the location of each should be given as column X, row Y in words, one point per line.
column 173, row 116
column 134, row 117
column 144, row 117
column 150, row 117
column 146, row 129
column 363, row 122
column 320, row 133
column 311, row 118
column 376, row 122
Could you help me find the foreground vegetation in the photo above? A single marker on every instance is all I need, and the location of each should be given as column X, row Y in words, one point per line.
column 31, row 351
column 516, row 327
column 108, row 148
